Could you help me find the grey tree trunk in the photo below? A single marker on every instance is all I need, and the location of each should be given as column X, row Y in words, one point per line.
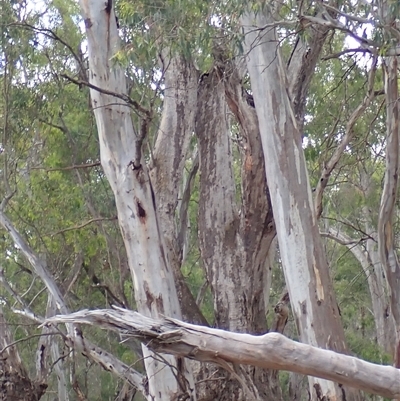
column 306, row 271
column 386, row 238
column 371, row 265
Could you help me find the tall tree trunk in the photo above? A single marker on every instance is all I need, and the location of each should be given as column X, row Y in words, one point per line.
column 234, row 242
column 169, row 157
column 125, row 168
column 378, row 285
column 305, row 267
column 386, row 238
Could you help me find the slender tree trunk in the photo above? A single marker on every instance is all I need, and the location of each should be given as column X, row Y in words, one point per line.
column 48, row 346
column 371, row 265
column 378, row 285
column 125, row 168
column 305, row 267
column 386, row 238
column 384, row 321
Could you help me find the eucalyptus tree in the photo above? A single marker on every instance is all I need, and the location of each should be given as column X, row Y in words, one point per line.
column 176, row 89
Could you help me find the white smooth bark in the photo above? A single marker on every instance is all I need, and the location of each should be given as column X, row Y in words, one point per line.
column 305, row 267
column 126, row 171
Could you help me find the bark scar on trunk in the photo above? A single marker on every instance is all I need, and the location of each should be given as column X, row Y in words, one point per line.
column 108, row 6
column 152, row 299
column 135, row 166
column 141, row 211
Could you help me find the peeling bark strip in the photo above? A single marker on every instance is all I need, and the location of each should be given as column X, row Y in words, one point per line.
column 269, row 351
column 119, row 145
column 305, row 267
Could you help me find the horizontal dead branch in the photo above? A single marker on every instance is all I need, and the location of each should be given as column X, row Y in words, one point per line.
column 269, row 351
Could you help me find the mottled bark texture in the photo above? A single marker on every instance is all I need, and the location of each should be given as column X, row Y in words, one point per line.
column 234, row 237
column 305, row 267
column 301, row 64
column 234, row 240
column 169, row 156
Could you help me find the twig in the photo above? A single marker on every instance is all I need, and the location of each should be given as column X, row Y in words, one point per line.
column 28, row 338
column 86, row 223
column 121, row 96
column 88, row 165
column 338, row 54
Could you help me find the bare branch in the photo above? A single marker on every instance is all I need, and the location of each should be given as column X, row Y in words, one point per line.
column 121, row 96
column 348, row 16
column 35, row 261
column 335, row 24
column 52, row 35
column 269, row 351
column 12, row 344
column 346, row 51
column 341, row 239
column 109, row 362
column 86, row 223
column 184, row 203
